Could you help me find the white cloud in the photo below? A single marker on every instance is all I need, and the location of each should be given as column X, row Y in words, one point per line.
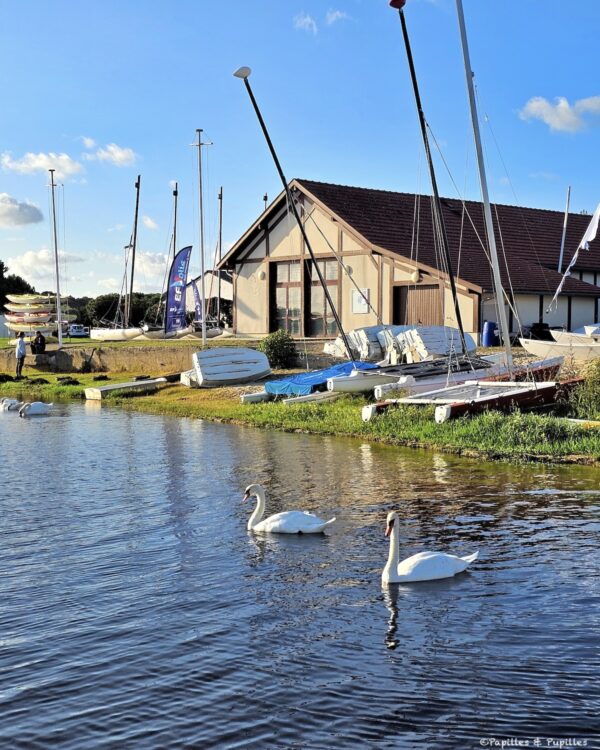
column 116, row 228
column 113, row 154
column 333, row 16
column 15, row 214
column 151, row 266
column 38, row 265
column 88, row 142
column 172, row 184
column 149, row 223
column 304, row 22
column 64, row 165
column 561, row 115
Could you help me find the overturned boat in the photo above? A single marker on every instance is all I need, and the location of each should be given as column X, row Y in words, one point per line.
column 229, row 365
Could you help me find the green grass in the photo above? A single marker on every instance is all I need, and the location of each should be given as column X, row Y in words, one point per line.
column 513, row 437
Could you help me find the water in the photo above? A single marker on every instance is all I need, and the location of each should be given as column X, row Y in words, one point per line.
column 136, row 611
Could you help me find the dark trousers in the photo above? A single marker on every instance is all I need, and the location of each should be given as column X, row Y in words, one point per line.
column 20, row 361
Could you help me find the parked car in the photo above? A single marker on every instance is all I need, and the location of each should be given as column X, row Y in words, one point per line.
column 76, row 330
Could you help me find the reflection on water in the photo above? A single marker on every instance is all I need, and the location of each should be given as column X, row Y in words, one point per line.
column 136, row 610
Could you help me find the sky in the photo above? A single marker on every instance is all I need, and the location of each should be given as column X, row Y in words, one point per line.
column 104, row 91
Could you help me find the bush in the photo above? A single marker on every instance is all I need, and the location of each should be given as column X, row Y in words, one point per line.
column 280, row 349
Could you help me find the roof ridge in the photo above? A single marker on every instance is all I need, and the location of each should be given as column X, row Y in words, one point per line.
column 427, row 195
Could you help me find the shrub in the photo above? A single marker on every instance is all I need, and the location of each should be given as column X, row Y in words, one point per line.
column 280, row 349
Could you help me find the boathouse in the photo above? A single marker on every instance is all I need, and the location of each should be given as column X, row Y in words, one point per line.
column 380, row 246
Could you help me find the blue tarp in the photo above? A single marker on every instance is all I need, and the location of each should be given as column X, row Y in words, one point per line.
column 309, row 382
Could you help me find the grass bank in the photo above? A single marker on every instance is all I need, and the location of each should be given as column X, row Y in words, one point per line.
column 493, row 436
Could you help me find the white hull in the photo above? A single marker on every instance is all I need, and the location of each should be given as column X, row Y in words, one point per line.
column 30, row 327
column 33, row 299
column 229, row 366
column 30, row 309
column 582, row 352
column 115, row 334
column 566, row 338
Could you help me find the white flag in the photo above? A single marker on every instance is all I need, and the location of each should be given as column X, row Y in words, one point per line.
column 590, row 234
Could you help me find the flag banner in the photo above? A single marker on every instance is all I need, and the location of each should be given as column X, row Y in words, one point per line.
column 175, row 317
column 590, row 234
column 197, row 302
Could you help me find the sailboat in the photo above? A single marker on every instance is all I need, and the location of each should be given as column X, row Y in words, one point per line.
column 582, row 345
column 124, row 331
column 478, row 395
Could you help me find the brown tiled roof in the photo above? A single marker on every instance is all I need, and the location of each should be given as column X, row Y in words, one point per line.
column 529, row 238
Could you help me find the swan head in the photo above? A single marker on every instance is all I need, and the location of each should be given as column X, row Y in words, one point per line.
column 392, row 518
column 251, row 491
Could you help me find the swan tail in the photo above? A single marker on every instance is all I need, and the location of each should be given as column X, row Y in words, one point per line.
column 471, row 558
column 328, row 523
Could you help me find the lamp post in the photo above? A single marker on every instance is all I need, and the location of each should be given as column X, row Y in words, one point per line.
column 244, row 73
column 58, row 306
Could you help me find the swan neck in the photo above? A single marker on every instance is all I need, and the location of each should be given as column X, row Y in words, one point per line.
column 260, row 508
column 394, row 553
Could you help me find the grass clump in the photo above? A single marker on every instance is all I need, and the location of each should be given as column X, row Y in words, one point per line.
column 584, row 401
column 280, row 349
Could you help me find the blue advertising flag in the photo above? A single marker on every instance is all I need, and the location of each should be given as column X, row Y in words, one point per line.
column 175, row 317
column 197, row 301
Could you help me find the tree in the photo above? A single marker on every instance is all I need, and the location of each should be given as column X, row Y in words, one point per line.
column 12, row 284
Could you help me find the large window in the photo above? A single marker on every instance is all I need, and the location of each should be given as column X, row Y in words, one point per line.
column 286, row 304
column 321, row 321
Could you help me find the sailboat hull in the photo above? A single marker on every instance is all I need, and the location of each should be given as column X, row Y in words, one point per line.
column 115, row 334
column 581, row 352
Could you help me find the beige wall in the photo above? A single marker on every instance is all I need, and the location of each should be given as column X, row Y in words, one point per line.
column 468, row 305
column 251, row 298
column 528, row 306
column 365, row 274
column 285, row 239
column 322, row 233
column 558, row 315
column 588, row 276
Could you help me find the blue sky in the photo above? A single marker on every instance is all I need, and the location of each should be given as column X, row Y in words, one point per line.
column 107, row 90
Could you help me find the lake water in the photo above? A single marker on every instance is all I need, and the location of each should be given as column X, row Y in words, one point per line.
column 136, row 611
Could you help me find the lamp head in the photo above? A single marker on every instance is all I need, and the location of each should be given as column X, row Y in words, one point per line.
column 243, row 72
column 398, row 4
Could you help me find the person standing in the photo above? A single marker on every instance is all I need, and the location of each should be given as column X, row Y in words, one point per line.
column 20, row 352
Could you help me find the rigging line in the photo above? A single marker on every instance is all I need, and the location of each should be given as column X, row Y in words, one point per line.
column 509, row 298
column 342, row 264
column 517, row 202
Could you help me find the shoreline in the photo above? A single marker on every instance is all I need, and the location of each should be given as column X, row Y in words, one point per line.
column 491, row 436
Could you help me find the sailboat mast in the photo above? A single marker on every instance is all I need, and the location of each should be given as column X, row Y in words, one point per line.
column 436, row 196
column 58, row 307
column 133, row 247
column 243, row 73
column 220, row 255
column 564, row 231
column 503, row 322
column 175, row 196
column 201, row 229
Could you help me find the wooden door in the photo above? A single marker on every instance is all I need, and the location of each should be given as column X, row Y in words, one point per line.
column 417, row 305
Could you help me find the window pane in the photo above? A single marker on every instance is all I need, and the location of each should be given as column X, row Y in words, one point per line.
column 281, row 300
column 294, row 271
column 316, row 326
column 294, row 326
column 331, row 327
column 313, row 271
column 317, row 300
column 294, row 301
column 282, row 273
column 331, row 270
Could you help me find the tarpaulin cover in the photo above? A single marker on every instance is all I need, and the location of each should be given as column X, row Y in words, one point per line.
column 309, row 382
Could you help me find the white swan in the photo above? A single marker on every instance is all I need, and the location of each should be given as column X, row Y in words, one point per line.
column 35, row 409
column 424, row 566
column 289, row 522
column 10, row 404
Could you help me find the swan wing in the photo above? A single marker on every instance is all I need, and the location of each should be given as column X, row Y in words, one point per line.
column 293, row 522
column 431, row 566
